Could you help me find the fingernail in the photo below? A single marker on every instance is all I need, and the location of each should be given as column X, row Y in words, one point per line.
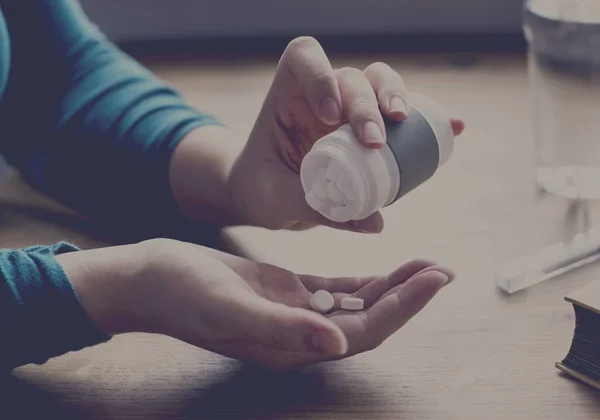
column 449, row 277
column 372, row 133
column 330, row 111
column 397, row 105
column 448, row 273
column 323, row 342
column 373, row 225
column 445, row 276
column 444, row 280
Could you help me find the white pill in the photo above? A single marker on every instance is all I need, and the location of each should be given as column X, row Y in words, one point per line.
column 320, row 175
column 336, row 197
column 353, row 304
column 321, row 301
column 316, row 204
column 319, row 191
column 344, row 184
column 333, row 171
column 340, row 214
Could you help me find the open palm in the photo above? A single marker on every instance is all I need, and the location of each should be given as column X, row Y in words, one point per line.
column 390, row 302
column 261, row 313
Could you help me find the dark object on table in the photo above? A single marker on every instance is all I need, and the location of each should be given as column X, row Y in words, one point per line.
column 583, row 360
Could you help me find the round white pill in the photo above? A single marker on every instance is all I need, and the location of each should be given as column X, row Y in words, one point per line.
column 321, row 301
column 335, row 195
column 344, row 185
column 333, row 170
column 339, row 214
column 353, row 304
column 320, row 192
column 315, row 203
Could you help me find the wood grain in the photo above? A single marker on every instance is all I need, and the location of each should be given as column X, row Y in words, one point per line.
column 473, row 353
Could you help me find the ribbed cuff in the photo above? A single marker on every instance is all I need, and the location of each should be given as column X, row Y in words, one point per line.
column 40, row 314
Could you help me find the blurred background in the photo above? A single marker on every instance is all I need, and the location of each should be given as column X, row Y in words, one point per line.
column 133, row 21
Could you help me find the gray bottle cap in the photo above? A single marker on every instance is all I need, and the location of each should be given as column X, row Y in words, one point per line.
column 421, row 143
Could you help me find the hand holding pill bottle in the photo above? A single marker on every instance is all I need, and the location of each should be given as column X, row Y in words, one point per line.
column 345, row 181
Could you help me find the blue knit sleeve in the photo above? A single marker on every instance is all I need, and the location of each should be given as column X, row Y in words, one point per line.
column 40, row 313
column 86, row 123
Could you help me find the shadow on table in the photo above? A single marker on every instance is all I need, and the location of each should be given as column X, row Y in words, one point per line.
column 254, row 393
column 246, row 393
column 585, row 391
column 24, row 401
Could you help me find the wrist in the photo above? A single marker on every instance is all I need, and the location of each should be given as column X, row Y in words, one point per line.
column 200, row 174
column 104, row 280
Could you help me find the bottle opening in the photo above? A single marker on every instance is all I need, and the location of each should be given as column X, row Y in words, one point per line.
column 331, row 189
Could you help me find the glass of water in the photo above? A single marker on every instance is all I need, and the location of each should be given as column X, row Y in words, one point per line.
column 564, row 71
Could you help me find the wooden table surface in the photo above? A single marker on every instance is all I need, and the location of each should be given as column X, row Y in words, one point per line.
column 473, row 353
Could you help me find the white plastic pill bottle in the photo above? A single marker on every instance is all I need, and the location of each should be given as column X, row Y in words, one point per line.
column 343, row 180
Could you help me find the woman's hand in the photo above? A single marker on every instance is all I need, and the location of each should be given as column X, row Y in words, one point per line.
column 307, row 100
column 241, row 309
column 220, row 177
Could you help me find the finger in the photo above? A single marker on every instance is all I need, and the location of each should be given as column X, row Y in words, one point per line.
column 370, row 225
column 275, row 326
column 307, row 62
column 458, row 126
column 345, row 285
column 438, row 268
column 390, row 90
column 301, row 226
column 392, row 312
column 372, row 292
column 360, row 106
column 370, row 289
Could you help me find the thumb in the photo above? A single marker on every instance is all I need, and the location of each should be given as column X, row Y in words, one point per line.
column 372, row 224
column 283, row 328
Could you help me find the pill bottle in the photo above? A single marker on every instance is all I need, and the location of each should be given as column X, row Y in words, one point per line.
column 344, row 180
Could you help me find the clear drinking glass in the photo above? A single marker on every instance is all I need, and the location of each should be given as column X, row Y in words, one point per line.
column 564, row 71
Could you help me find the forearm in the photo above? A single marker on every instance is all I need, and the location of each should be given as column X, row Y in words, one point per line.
column 207, row 155
column 87, row 124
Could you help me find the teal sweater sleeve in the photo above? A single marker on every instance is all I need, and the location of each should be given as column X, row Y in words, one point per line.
column 40, row 314
column 86, row 123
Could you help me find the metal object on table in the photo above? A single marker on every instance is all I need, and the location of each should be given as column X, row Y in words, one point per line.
column 581, row 249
